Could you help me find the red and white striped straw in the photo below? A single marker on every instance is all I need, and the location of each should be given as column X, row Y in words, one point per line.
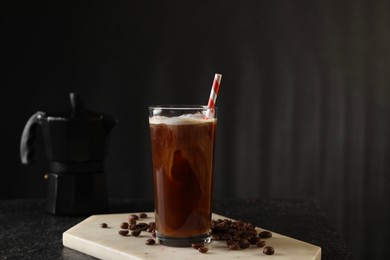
column 213, row 95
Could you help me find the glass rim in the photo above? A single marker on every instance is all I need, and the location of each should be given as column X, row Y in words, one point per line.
column 181, row 107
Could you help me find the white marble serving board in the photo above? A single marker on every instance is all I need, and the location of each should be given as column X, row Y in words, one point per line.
column 105, row 243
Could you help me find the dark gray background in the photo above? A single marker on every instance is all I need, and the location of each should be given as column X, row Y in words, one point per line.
column 304, row 102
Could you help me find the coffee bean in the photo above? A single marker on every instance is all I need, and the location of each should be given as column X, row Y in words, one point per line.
column 150, row 229
column 133, row 217
column 123, row 232
column 230, row 242
column 260, row 243
column 203, row 249
column 243, row 243
column 225, row 236
column 268, row 250
column 133, row 227
column 237, row 224
column 215, row 237
column 253, row 240
column 265, row 234
column 248, row 226
column 103, row 225
column 197, row 245
column 150, row 242
column 236, row 237
column 124, row 225
column 249, row 233
column 234, row 246
column 142, row 226
column 135, row 232
column 143, row 215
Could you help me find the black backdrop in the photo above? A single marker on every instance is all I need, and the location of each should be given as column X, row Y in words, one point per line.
column 304, row 102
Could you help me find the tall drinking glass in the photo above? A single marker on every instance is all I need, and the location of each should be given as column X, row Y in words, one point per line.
column 182, row 142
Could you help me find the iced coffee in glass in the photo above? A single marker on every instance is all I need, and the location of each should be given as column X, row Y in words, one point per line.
column 182, row 145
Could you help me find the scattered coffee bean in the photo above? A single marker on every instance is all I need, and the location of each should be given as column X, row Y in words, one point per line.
column 260, row 243
column 142, row 226
column 237, row 234
column 150, row 241
column 225, row 236
column 233, row 230
column 230, row 242
column 143, row 215
column 234, row 246
column 123, row 232
column 215, row 237
column 253, row 240
column 133, row 217
column 197, row 245
column 133, row 227
column 135, row 232
column 104, row 225
column 151, row 227
column 203, row 249
column 268, row 250
column 249, row 233
column 124, row 225
column 265, row 234
column 243, row 243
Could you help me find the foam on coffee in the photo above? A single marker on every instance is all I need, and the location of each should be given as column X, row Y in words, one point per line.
column 181, row 120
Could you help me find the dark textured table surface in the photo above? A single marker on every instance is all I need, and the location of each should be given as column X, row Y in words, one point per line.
column 28, row 232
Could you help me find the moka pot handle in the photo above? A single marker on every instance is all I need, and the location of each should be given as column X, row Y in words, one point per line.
column 28, row 138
